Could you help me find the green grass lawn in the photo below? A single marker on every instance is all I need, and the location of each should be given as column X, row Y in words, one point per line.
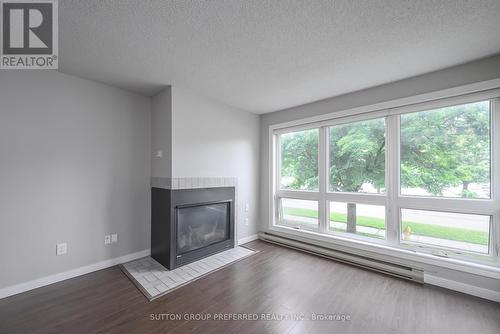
column 435, row 231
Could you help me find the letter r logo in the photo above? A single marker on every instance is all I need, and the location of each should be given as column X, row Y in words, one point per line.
column 27, row 27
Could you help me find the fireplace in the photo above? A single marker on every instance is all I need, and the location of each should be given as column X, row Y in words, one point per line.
column 189, row 224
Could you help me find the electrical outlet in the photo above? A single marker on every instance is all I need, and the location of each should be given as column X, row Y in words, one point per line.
column 246, row 221
column 107, row 239
column 114, row 237
column 61, row 248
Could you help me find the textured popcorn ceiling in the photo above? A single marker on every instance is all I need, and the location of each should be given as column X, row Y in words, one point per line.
column 263, row 56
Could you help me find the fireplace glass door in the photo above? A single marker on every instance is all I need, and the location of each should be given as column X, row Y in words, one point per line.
column 199, row 226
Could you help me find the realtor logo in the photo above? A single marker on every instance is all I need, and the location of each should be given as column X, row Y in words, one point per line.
column 29, row 34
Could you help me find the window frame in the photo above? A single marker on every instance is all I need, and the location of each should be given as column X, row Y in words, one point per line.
column 392, row 199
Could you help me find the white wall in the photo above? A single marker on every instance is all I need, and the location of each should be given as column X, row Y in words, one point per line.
column 161, row 133
column 210, row 139
column 74, row 166
column 477, row 71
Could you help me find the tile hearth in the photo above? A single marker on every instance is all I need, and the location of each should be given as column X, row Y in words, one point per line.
column 154, row 280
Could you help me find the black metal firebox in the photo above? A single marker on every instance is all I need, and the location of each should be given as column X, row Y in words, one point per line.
column 190, row 224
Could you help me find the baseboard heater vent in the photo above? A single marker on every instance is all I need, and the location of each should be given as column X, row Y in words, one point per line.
column 412, row 274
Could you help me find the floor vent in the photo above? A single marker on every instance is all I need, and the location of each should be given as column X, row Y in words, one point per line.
column 408, row 273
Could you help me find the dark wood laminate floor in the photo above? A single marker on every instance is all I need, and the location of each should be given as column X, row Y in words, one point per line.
column 277, row 280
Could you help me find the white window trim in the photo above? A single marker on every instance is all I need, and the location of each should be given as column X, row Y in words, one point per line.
column 393, row 199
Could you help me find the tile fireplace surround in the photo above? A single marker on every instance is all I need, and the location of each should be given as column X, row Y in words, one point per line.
column 193, row 182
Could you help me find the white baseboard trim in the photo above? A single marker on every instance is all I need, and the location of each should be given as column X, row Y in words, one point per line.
column 43, row 281
column 463, row 287
column 248, row 239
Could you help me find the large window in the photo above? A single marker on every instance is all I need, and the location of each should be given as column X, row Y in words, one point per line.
column 419, row 177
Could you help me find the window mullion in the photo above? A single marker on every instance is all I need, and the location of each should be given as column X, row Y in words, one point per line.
column 495, row 176
column 392, row 179
column 323, row 178
column 277, row 174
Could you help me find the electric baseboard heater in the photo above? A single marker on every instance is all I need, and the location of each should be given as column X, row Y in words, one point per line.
column 411, row 274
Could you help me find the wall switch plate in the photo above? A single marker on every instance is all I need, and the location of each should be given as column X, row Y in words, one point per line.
column 114, row 237
column 246, row 221
column 61, row 248
column 107, row 239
